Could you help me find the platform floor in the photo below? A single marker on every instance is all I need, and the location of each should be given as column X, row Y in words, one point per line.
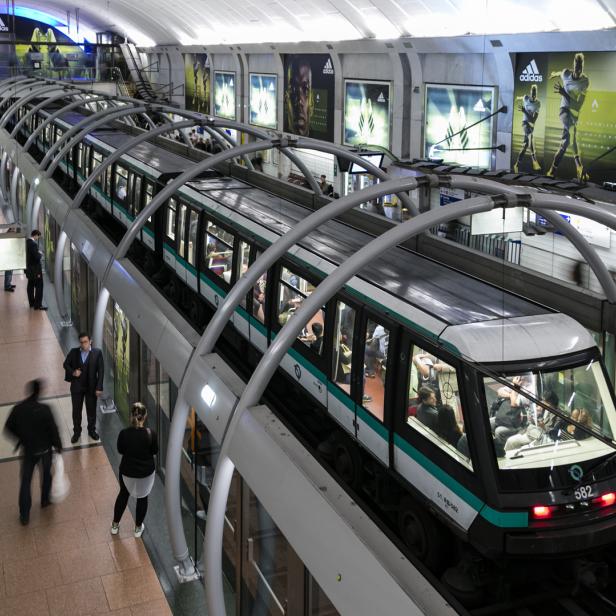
column 65, row 562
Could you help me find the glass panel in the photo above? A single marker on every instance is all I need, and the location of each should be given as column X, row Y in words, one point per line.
column 121, row 183
column 434, row 407
column 375, row 364
column 192, row 237
column 258, row 297
column 97, row 159
column 170, row 226
column 136, row 195
column 243, row 263
column 182, row 231
column 148, row 196
column 292, row 291
column 219, row 251
column 342, row 357
column 528, row 436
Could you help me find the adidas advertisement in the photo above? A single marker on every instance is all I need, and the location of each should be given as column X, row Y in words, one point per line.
column 197, row 82
column 564, row 115
column 366, row 113
column 224, row 95
column 458, row 127
column 264, row 100
column 309, row 95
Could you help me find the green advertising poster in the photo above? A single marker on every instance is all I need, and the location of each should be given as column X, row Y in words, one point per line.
column 366, row 113
column 458, row 124
column 122, row 361
column 264, row 100
column 564, row 119
column 309, row 85
column 197, row 82
column 224, row 94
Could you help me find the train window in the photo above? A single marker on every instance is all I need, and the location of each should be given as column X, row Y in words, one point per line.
column 375, row 369
column 120, row 184
column 218, row 251
column 192, row 237
column 342, row 357
column 258, row 296
column 107, row 181
column 434, row 408
column 292, row 291
column 182, row 230
column 243, row 262
column 528, row 435
column 97, row 159
column 136, row 195
column 79, row 155
column 148, row 195
column 171, row 213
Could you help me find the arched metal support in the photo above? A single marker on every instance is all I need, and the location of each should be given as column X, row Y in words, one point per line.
column 281, row 344
column 58, row 281
column 13, row 194
column 36, row 206
column 24, row 100
column 20, row 85
column 6, row 197
column 87, row 124
column 5, row 84
column 48, row 100
column 580, row 243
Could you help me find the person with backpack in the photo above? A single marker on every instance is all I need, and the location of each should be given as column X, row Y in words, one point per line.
column 138, row 446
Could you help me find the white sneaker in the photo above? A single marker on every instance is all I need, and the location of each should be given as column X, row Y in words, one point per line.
column 115, row 528
column 139, row 531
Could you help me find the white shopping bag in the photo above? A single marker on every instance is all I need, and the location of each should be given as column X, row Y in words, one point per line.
column 60, row 485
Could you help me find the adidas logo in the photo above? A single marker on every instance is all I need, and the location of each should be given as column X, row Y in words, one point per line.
column 595, row 105
column 381, row 98
column 3, row 26
column 328, row 69
column 531, row 73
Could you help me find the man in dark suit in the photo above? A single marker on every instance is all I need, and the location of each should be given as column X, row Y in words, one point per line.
column 32, row 425
column 84, row 370
column 34, row 271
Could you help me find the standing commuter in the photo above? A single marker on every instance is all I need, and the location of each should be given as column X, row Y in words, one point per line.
column 34, row 271
column 32, row 424
column 84, row 370
column 138, row 446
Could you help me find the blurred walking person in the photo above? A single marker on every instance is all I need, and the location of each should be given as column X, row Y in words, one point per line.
column 138, row 446
column 32, row 425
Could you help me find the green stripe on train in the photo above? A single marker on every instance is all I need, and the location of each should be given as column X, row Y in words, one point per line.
column 498, row 518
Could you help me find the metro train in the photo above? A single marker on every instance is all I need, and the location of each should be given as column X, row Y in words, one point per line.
column 438, row 399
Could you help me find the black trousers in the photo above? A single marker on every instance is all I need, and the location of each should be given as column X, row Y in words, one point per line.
column 122, row 501
column 27, row 469
column 35, row 291
column 77, row 398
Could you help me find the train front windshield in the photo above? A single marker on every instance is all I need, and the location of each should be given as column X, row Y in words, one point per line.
column 528, row 436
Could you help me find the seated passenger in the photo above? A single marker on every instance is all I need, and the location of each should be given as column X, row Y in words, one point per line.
column 582, row 416
column 536, row 427
column 317, row 344
column 426, row 410
column 447, row 426
column 510, row 417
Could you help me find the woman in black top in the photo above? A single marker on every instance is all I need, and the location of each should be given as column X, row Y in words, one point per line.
column 138, row 446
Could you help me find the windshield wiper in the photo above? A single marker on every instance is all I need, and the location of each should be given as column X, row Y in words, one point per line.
column 596, row 468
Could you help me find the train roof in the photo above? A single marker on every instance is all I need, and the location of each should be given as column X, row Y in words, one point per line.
column 448, row 295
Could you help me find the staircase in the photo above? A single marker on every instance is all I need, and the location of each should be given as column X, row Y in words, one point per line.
column 144, row 88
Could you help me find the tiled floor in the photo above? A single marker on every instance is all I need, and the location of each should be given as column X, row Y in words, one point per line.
column 65, row 562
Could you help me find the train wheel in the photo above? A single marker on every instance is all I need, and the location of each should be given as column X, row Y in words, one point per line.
column 347, row 462
column 422, row 534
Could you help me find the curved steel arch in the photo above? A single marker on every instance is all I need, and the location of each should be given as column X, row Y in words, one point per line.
column 284, row 340
column 19, row 86
column 10, row 112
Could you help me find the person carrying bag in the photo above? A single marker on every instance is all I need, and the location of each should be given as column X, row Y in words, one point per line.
column 138, row 446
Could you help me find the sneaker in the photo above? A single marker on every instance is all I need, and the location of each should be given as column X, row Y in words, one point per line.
column 139, row 531
column 115, row 528
column 515, row 168
column 367, row 399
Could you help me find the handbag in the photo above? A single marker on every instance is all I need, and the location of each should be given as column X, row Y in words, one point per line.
column 60, row 485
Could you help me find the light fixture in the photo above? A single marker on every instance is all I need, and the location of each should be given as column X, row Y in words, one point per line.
column 208, row 395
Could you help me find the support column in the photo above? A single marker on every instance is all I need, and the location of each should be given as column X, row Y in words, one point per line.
column 58, row 282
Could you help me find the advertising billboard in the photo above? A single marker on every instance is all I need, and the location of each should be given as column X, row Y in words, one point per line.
column 458, row 127
column 197, row 82
column 366, row 113
column 564, row 117
column 264, row 100
column 309, row 95
column 224, row 94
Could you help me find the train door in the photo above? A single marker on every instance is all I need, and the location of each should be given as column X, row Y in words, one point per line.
column 340, row 400
column 169, row 239
column 148, row 234
column 241, row 317
column 370, row 377
column 217, row 249
column 259, row 306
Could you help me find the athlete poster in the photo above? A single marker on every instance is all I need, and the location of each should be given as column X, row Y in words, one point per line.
column 224, row 95
column 264, row 100
column 564, row 117
column 309, row 95
column 121, row 380
column 366, row 113
column 459, row 124
column 197, row 82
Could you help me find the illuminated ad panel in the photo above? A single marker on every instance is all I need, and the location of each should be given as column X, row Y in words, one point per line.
column 224, row 95
column 197, row 82
column 458, row 127
column 366, row 113
column 564, row 115
column 263, row 100
column 309, row 95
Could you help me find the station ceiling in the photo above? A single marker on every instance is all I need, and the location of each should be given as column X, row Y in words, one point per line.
column 203, row 22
